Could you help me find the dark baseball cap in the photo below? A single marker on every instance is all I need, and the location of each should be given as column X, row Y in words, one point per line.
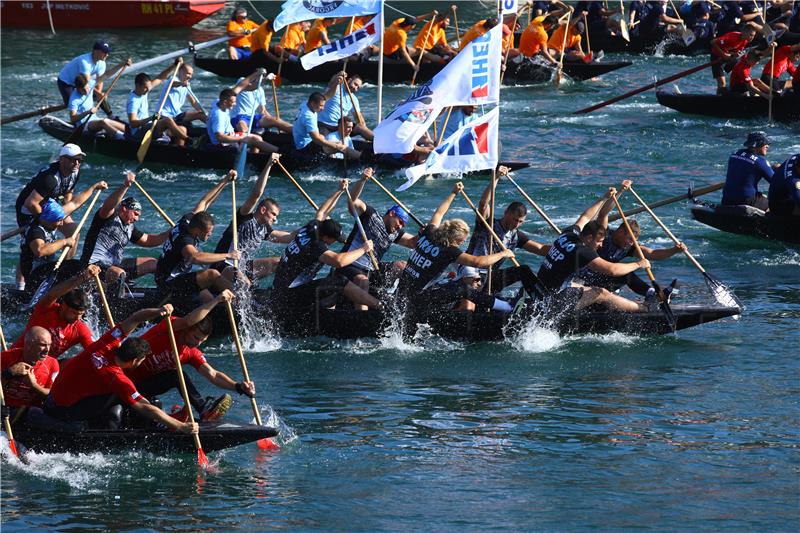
column 102, row 46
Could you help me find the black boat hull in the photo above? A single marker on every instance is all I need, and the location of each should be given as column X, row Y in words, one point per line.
column 785, row 108
column 745, row 220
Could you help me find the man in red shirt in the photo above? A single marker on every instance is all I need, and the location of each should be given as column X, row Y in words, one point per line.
column 157, row 374
column 742, row 83
column 60, row 311
column 28, row 372
column 785, row 56
column 92, row 384
column 727, row 48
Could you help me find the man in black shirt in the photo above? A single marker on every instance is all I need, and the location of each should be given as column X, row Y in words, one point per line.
column 40, row 246
column 575, row 249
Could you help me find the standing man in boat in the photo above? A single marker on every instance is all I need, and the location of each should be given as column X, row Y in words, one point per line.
column 742, row 83
column 784, row 191
column 92, row 385
column 338, row 105
column 308, row 141
column 181, row 251
column 60, row 312
column 250, row 100
column 93, row 65
column 157, row 373
column 173, row 121
column 112, row 228
column 575, row 249
column 220, row 128
column 28, row 371
column 239, row 29
column 383, row 231
column 138, row 108
column 293, row 41
column 746, row 167
column 726, row 49
column 255, row 218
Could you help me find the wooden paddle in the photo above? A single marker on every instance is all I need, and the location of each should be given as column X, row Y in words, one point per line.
column 363, row 233
column 664, row 304
column 623, row 24
column 78, row 130
column 454, row 8
column 422, row 48
column 771, row 77
column 444, row 126
column 154, row 204
column 560, row 69
column 48, row 283
column 398, row 202
column 242, row 161
column 687, row 35
column 6, row 422
column 693, row 193
column 722, row 294
column 488, row 226
column 144, row 146
column 35, row 113
column 275, row 96
column 106, row 308
column 508, row 50
column 359, row 116
column 534, row 205
column 12, row 232
column 299, row 188
column 202, row 460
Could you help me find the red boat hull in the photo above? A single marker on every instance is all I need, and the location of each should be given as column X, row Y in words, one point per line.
column 105, row 14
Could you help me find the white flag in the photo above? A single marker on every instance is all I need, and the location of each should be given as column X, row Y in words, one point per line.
column 298, row 10
column 471, row 78
column 509, row 7
column 346, row 46
column 472, row 147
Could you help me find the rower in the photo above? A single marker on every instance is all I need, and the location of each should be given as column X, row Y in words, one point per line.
column 433, row 39
column 533, row 41
column 60, row 312
column 476, row 30
column 138, row 108
column 294, row 288
column 260, row 39
column 460, row 116
column 656, row 24
column 28, row 371
column 112, row 228
column 318, row 34
column 746, row 167
column 91, row 385
column 395, row 38
column 575, row 249
column 510, row 25
column 784, row 190
column 573, row 50
column 437, row 247
column 742, row 83
column 308, row 141
column 181, row 252
column 335, row 136
column 250, row 101
column 255, row 218
column 93, row 65
column 383, row 231
column 727, row 49
column 157, row 373
column 339, row 101
column 785, row 56
column 293, row 41
column 173, row 121
column 357, row 24
column 82, row 111
column 220, row 129
column 239, row 29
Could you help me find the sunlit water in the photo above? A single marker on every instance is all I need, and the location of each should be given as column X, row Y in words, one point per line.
column 538, row 432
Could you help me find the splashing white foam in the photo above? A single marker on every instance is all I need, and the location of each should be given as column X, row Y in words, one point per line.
column 286, row 434
column 535, row 337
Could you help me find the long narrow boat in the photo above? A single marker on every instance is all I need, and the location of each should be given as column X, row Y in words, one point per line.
column 104, row 14
column 395, row 71
column 190, row 156
column 785, row 108
column 464, row 326
column 214, row 437
column 747, row 220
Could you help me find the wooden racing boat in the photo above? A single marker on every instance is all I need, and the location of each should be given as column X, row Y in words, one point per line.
column 191, row 156
column 785, row 108
column 394, row 71
column 214, row 436
column 747, row 220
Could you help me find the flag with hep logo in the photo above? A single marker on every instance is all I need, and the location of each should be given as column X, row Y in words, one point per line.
column 299, row 10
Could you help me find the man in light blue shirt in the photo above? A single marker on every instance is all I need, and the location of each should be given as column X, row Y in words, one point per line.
column 461, row 116
column 335, row 136
column 339, row 102
column 138, row 109
column 220, row 130
column 93, row 65
column 82, row 111
column 173, row 121
column 308, row 141
column 250, row 100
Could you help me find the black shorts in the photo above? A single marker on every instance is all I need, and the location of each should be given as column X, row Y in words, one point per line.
column 718, row 70
column 310, row 152
column 68, row 268
column 562, row 303
column 287, row 302
column 245, row 267
column 181, row 286
column 128, row 265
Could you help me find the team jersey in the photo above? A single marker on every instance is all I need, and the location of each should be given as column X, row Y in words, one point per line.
column 175, row 100
column 480, row 239
column 49, row 183
column 334, row 136
column 436, row 35
column 106, row 240
column 475, row 31
column 611, row 253
column 300, row 260
column 783, row 62
column 745, row 170
column 243, row 40
column 785, row 186
column 457, row 119
column 219, row 121
column 730, row 43
column 557, row 39
column 250, row 236
column 533, row 38
column 332, row 112
column 358, row 23
column 64, row 334
column 28, row 262
column 81, row 103
column 94, row 372
column 17, row 392
column 740, row 75
column 316, row 36
column 171, row 263
column 161, row 358
column 294, row 37
column 375, row 229
column 261, row 37
column 566, row 258
column 304, row 124
column 426, row 262
column 82, row 65
column 249, row 102
column 137, row 105
column 394, row 38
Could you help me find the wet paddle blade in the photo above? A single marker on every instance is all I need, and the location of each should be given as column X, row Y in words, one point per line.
column 688, row 36
column 145, row 146
column 43, row 289
column 664, row 306
column 202, row 460
column 623, row 30
column 268, row 444
column 278, row 80
column 13, row 446
column 240, row 164
column 722, row 294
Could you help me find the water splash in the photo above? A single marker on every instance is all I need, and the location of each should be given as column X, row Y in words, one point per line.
column 535, row 336
column 286, row 434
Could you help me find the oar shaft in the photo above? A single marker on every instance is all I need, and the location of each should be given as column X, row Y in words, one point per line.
column 171, row 55
column 694, row 193
column 359, row 116
column 154, row 204
column 444, row 126
column 361, row 230
column 3, row 340
column 275, row 99
column 534, row 205
column 29, row 114
column 181, row 379
column 78, row 229
column 102, row 292
column 6, row 421
column 422, row 51
column 234, row 222
column 11, row 233
column 242, row 363
column 636, row 246
column 398, row 202
column 488, row 227
column 141, row 153
column 299, row 188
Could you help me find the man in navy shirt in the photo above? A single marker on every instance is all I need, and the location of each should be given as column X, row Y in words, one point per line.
column 784, row 190
column 746, row 167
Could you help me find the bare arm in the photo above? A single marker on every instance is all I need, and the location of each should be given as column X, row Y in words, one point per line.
column 33, row 203
column 661, row 253
column 536, row 247
column 483, row 261
column 43, row 249
column 79, row 199
column 408, row 240
column 67, row 285
column 483, row 205
column 590, row 213
column 280, row 236
column 148, row 410
column 358, row 188
column 209, row 198
column 143, row 315
column 108, row 73
column 333, row 85
column 615, row 269
column 199, row 313
column 258, row 188
column 330, row 202
column 222, row 380
column 150, row 240
column 342, row 259
column 111, row 203
column 441, row 211
column 320, row 139
column 193, row 255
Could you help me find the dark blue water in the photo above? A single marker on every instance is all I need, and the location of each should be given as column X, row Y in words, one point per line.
column 697, row 431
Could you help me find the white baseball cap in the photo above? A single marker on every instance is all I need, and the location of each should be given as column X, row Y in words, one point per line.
column 70, row 150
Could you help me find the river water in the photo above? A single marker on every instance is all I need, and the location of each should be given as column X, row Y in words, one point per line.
column 696, row 431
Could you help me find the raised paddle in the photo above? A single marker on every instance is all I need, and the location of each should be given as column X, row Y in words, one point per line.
column 398, row 202
column 144, row 146
column 422, row 48
column 191, row 49
column 275, row 95
column 664, row 304
column 444, row 126
column 299, row 187
column 240, row 164
column 722, row 293
column 534, row 205
column 693, row 193
column 267, row 443
column 359, row 116
column 78, row 130
column 234, row 220
column 363, row 233
column 687, row 35
column 154, row 204
column 560, row 69
column 48, row 283
column 202, row 460
column 6, row 422
column 771, row 77
column 106, row 308
column 454, row 8
column 35, row 113
column 623, row 24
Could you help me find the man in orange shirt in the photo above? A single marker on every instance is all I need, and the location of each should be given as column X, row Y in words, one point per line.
column 433, row 38
column 573, row 51
column 293, row 40
column 260, row 41
column 533, row 41
column 318, row 34
column 239, row 29
column 395, row 38
column 476, row 30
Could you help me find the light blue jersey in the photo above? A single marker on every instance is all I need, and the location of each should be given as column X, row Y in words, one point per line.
column 331, row 113
column 175, row 100
column 219, row 121
column 80, row 103
column 304, row 124
column 82, row 65
column 137, row 104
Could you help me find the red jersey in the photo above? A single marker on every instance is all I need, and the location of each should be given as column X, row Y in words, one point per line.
column 782, row 62
column 17, row 391
column 94, row 372
column 796, row 81
column 161, row 358
column 65, row 335
column 741, row 73
column 730, row 43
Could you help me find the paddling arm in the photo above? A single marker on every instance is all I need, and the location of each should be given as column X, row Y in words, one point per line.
column 661, row 253
column 616, row 270
column 536, row 247
column 193, row 255
column 151, row 240
column 330, row 202
column 200, row 312
column 148, row 410
column 42, row 249
column 211, row 196
column 483, row 203
column 590, row 213
column 483, row 261
column 258, row 188
column 441, row 211
column 333, row 85
column 282, row 237
column 111, row 203
column 408, row 240
column 223, row 381
column 67, row 285
column 143, row 315
column 358, row 188
column 81, row 198
column 343, row 259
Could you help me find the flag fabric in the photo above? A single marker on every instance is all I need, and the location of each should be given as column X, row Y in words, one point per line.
column 298, row 10
column 346, row 46
column 471, row 78
column 509, row 7
column 472, row 147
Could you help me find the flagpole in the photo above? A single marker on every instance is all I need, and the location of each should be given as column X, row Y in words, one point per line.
column 380, row 69
column 494, row 170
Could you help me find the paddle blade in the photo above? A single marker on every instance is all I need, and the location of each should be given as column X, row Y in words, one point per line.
column 688, row 37
column 623, row 31
column 722, row 294
column 145, row 146
column 268, row 445
column 242, row 161
column 278, row 81
column 13, row 446
column 202, row 460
